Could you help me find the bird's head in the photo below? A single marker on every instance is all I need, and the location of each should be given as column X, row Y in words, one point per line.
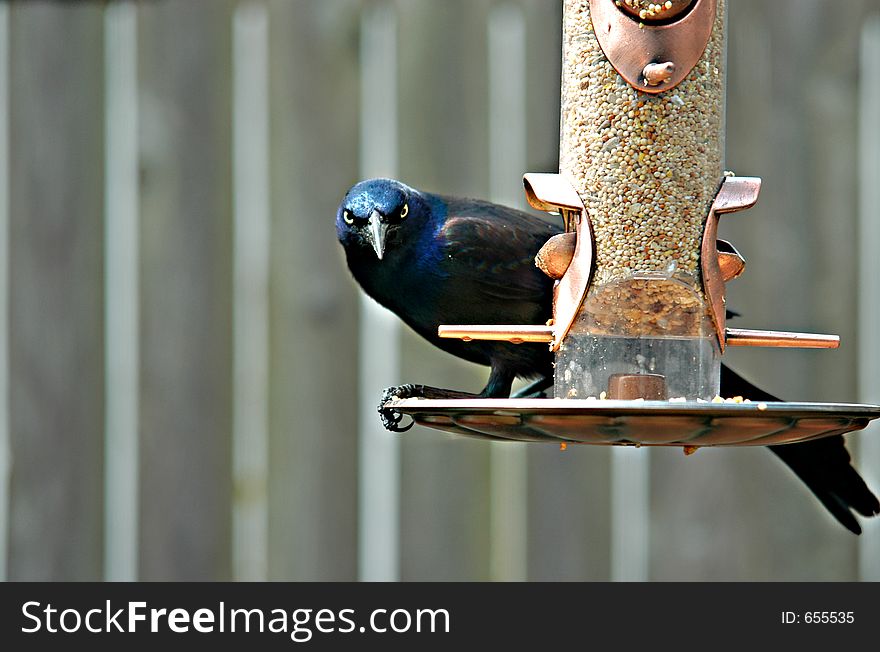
column 376, row 213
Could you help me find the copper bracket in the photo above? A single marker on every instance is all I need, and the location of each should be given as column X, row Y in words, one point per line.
column 635, row 48
column 729, row 259
column 554, row 193
column 551, row 193
column 736, row 194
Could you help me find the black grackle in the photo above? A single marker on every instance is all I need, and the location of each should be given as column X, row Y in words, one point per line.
column 434, row 260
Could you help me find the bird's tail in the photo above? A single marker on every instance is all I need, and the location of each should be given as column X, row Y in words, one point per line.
column 823, row 464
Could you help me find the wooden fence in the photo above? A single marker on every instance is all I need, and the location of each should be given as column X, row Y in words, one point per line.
column 185, row 393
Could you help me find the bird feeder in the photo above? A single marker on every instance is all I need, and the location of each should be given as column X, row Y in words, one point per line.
column 639, row 316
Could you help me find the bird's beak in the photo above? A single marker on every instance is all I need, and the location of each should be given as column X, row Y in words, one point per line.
column 376, row 234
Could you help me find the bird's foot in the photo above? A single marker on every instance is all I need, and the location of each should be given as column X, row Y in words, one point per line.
column 391, row 418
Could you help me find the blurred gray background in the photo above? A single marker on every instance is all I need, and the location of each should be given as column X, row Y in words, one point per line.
column 188, row 375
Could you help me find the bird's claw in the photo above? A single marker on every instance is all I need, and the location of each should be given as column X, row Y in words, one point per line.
column 390, row 417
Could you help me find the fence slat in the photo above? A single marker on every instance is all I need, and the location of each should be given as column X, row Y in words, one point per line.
column 5, row 447
column 444, row 148
column 185, row 56
column 869, row 278
column 506, row 54
column 314, row 321
column 122, row 262
column 56, row 292
column 379, row 329
column 569, row 521
column 251, row 292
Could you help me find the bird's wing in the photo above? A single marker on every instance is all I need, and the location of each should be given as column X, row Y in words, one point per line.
column 495, row 247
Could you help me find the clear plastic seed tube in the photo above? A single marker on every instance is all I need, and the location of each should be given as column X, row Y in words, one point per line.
column 647, row 168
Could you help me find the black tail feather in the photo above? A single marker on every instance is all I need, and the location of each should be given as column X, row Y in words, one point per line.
column 824, row 464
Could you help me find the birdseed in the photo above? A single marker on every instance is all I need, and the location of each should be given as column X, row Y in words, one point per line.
column 653, row 10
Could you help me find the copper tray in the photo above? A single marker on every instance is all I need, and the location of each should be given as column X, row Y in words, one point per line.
column 638, row 423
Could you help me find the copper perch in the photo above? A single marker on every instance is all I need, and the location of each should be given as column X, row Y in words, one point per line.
column 514, row 334
column 544, row 335
column 747, row 337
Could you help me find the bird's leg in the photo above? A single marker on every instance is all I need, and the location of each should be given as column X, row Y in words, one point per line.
column 391, row 418
column 499, row 384
column 535, row 389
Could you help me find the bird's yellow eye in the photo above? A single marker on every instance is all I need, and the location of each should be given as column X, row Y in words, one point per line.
column 347, row 216
column 404, row 211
